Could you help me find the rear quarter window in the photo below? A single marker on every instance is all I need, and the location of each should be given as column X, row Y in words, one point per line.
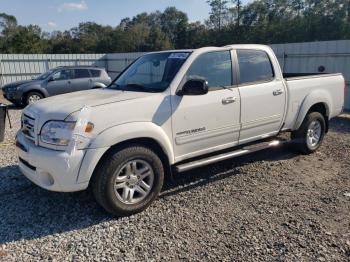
column 95, row 72
column 254, row 66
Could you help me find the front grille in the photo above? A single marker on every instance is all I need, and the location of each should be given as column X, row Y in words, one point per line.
column 28, row 124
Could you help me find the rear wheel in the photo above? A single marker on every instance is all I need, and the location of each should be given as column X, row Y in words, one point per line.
column 128, row 180
column 33, row 97
column 308, row 138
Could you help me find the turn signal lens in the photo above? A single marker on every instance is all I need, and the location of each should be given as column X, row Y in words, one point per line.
column 89, row 127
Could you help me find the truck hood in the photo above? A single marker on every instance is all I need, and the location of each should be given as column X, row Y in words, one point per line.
column 61, row 106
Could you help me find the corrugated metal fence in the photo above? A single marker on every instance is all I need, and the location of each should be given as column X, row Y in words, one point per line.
column 311, row 57
column 20, row 67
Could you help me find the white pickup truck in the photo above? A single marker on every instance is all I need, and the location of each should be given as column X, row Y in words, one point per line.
column 172, row 111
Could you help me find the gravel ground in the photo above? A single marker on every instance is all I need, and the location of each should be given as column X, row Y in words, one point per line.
column 271, row 206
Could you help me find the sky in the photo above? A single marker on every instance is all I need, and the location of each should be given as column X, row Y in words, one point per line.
column 65, row 14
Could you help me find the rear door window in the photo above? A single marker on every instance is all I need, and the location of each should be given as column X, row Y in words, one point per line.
column 81, row 73
column 254, row 66
column 95, row 72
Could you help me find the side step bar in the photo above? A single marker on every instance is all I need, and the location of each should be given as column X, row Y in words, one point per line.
column 240, row 152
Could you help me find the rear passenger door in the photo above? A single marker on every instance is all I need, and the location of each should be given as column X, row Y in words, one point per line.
column 81, row 79
column 262, row 96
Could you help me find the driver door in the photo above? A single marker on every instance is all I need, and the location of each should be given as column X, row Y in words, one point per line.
column 207, row 123
column 59, row 82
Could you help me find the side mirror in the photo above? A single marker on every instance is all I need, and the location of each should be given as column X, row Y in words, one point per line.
column 50, row 79
column 194, row 87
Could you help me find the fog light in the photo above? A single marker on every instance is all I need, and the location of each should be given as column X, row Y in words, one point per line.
column 45, row 178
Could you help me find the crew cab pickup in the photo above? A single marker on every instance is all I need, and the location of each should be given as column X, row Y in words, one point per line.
column 172, row 111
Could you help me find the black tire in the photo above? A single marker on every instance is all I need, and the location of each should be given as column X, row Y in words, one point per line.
column 32, row 94
column 104, row 177
column 300, row 136
column 17, row 104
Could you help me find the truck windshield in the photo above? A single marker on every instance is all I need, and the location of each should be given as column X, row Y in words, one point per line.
column 151, row 73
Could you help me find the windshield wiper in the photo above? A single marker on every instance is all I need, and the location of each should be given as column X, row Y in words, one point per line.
column 142, row 88
column 113, row 86
column 135, row 85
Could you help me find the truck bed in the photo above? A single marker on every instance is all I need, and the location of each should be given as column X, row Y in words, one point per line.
column 286, row 76
column 304, row 89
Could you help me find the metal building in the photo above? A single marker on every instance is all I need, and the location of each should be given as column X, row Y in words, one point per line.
column 313, row 57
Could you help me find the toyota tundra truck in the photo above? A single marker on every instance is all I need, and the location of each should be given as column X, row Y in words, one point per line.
column 172, row 111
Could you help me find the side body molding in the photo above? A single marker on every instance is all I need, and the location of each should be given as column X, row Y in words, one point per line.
column 315, row 97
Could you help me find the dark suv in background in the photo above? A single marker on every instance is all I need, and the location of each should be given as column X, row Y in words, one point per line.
column 56, row 81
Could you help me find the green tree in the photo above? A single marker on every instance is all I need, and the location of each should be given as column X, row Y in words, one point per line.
column 236, row 11
column 23, row 39
column 158, row 40
column 260, row 21
column 218, row 13
column 174, row 24
column 7, row 22
column 138, row 35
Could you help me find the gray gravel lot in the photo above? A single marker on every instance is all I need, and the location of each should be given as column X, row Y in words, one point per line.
column 271, row 206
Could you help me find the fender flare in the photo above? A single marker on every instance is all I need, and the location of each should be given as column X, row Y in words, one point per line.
column 118, row 134
column 97, row 85
column 315, row 97
column 39, row 89
column 134, row 130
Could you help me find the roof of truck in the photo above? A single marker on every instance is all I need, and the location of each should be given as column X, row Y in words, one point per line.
column 81, row 66
column 233, row 46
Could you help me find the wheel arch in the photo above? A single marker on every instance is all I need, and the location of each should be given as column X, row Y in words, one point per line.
column 141, row 141
column 148, row 142
column 109, row 140
column 96, row 85
column 25, row 93
column 317, row 101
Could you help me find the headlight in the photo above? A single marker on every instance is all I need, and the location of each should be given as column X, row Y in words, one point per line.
column 57, row 132
column 11, row 88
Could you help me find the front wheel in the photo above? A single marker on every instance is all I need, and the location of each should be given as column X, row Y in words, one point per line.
column 32, row 97
column 308, row 138
column 128, row 180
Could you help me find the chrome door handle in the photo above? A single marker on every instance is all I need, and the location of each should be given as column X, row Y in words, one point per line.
column 278, row 92
column 229, row 100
